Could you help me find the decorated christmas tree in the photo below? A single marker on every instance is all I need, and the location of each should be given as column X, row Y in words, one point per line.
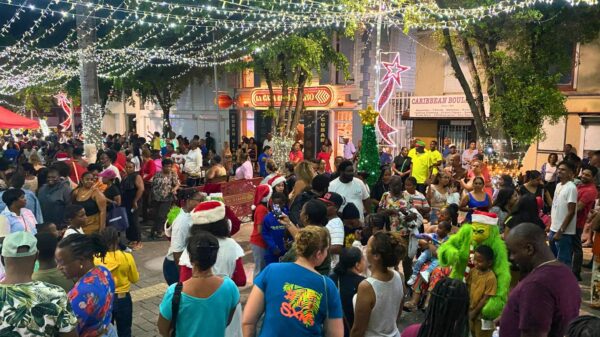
column 368, row 158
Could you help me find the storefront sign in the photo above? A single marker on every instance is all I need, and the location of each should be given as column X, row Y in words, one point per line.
column 322, row 128
column 454, row 106
column 234, row 130
column 314, row 97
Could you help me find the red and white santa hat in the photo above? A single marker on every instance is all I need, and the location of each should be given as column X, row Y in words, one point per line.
column 208, row 212
column 61, row 156
column 276, row 180
column 484, row 218
column 262, row 195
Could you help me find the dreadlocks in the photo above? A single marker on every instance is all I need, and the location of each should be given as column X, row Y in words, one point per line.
column 448, row 311
column 584, row 326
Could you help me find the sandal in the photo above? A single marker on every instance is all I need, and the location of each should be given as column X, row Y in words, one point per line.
column 409, row 307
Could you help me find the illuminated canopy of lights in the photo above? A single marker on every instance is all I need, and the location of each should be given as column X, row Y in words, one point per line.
column 137, row 34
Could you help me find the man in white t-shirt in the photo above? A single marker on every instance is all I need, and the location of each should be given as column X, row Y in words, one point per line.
column 353, row 190
column 335, row 226
column 193, row 164
column 180, row 231
column 564, row 205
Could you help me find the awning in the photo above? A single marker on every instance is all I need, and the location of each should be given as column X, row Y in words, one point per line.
column 10, row 120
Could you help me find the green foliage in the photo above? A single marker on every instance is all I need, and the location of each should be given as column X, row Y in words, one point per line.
column 368, row 159
column 519, row 59
column 528, row 100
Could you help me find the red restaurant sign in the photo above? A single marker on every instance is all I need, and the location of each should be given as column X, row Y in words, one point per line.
column 315, row 97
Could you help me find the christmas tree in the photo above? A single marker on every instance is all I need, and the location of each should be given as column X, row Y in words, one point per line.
column 368, row 158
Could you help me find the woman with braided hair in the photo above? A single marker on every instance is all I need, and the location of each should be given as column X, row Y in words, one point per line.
column 92, row 296
column 584, row 326
column 447, row 314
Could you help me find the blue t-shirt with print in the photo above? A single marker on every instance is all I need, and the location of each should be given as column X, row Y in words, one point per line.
column 202, row 316
column 296, row 302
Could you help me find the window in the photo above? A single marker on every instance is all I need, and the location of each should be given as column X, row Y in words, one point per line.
column 568, row 80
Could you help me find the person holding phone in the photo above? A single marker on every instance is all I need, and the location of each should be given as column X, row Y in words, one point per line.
column 272, row 231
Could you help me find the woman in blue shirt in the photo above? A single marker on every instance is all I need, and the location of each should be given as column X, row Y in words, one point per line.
column 205, row 295
column 296, row 299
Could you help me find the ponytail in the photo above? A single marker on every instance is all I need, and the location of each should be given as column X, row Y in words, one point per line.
column 85, row 246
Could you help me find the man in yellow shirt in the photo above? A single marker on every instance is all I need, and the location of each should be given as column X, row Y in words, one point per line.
column 435, row 157
column 420, row 165
column 156, row 141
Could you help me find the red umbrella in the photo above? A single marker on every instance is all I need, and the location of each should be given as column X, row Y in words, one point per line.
column 10, row 120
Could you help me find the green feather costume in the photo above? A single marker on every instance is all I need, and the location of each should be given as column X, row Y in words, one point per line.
column 455, row 253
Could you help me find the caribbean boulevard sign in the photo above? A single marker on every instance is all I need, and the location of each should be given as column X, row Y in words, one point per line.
column 314, row 97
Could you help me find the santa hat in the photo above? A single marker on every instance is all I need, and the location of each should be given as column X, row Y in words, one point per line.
column 208, row 212
column 484, row 218
column 61, row 156
column 276, row 180
column 262, row 195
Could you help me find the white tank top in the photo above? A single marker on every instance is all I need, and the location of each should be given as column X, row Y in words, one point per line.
column 388, row 296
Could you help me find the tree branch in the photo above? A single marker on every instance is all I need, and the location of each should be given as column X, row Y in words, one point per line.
column 460, row 76
column 474, row 76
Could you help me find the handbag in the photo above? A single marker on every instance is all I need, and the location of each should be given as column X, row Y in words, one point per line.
column 117, row 218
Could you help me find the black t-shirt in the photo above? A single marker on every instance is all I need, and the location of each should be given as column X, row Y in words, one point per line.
column 110, row 193
column 402, row 164
column 348, row 286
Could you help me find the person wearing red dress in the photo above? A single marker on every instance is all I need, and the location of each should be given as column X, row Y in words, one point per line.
column 296, row 154
column 325, row 155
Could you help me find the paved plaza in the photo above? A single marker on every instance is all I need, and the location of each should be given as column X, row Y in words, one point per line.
column 148, row 292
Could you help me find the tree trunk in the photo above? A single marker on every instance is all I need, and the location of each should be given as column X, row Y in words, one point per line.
column 299, row 100
column 269, row 81
column 164, row 101
column 460, row 76
column 88, row 76
column 284, row 94
column 475, row 78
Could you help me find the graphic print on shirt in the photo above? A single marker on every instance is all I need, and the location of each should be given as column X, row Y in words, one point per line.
column 303, row 303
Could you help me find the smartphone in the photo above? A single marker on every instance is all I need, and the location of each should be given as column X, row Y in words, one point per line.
column 277, row 212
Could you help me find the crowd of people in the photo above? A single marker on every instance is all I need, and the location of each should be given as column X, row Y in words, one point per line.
column 332, row 256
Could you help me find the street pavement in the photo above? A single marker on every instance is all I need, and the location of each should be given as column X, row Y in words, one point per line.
column 148, row 292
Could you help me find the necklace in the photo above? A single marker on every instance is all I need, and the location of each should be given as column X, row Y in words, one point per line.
column 545, row 263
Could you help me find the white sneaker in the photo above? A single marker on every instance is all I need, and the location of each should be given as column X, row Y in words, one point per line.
column 412, row 280
column 425, row 275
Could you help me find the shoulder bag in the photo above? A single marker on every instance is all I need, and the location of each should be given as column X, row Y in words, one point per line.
column 175, row 307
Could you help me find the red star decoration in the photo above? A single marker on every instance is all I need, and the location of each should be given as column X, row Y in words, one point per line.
column 394, row 69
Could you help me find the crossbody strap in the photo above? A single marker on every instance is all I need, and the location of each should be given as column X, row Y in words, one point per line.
column 175, row 307
column 326, row 306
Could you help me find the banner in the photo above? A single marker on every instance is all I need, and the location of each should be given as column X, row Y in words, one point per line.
column 314, row 97
column 451, row 106
column 239, row 195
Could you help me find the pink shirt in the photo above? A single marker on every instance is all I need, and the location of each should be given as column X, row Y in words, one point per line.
column 245, row 171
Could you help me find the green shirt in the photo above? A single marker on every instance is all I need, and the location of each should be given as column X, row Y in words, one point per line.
column 35, row 309
column 53, row 276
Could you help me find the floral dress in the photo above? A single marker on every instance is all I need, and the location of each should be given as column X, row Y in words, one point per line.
column 92, row 299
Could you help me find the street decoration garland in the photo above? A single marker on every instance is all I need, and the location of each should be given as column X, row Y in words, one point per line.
column 390, row 81
column 368, row 158
column 66, row 105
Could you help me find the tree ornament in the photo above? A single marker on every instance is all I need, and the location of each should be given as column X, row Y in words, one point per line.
column 368, row 158
column 368, row 115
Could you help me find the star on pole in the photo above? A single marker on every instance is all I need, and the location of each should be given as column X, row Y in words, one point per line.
column 394, row 70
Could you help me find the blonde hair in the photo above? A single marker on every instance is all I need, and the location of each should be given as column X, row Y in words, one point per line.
column 304, row 172
column 310, row 240
column 34, row 159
